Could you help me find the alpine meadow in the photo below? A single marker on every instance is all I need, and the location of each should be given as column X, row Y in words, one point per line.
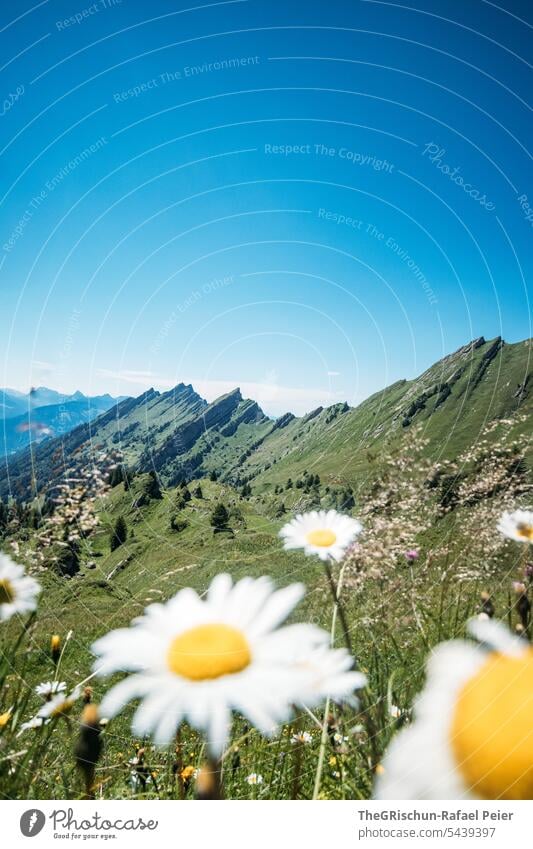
column 407, row 529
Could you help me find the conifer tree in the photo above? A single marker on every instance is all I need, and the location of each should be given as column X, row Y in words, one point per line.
column 219, row 518
column 119, row 533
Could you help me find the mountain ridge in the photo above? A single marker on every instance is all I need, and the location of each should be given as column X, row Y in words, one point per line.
column 180, row 436
column 42, row 413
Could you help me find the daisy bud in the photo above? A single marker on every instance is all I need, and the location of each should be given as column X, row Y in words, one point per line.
column 87, row 695
column 487, row 606
column 208, row 782
column 88, row 747
column 55, row 647
column 235, row 761
column 524, row 611
column 4, row 718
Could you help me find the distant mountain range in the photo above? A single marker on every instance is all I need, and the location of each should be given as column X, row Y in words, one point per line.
column 43, row 413
column 179, row 435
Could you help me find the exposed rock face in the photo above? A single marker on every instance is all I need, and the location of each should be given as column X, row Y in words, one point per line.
column 247, row 412
column 283, row 421
column 312, row 415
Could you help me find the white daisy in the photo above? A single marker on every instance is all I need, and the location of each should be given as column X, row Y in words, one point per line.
column 254, row 778
column 199, row 659
column 18, row 592
column 34, row 722
column 472, row 737
column 59, row 705
column 395, row 712
column 325, row 533
column 339, row 739
column 50, row 688
column 302, row 737
column 517, row 525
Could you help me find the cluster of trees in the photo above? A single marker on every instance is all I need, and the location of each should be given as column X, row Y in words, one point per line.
column 179, row 503
column 220, row 518
column 306, row 482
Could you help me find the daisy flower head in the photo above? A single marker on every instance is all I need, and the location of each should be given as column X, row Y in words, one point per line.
column 254, row 778
column 198, row 659
column 517, row 525
column 59, row 705
column 339, row 738
column 50, row 688
column 18, row 592
column 325, row 533
column 302, row 737
column 34, row 722
column 472, row 736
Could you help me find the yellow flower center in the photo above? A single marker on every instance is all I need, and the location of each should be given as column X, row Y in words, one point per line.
column 7, row 593
column 323, row 538
column 525, row 531
column 209, row 651
column 492, row 729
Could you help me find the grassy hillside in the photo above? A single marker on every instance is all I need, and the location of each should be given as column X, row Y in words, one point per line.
column 179, row 435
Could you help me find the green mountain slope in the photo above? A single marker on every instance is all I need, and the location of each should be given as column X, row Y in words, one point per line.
column 180, row 436
column 452, row 402
column 175, row 433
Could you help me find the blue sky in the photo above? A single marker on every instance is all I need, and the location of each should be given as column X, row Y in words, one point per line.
column 309, row 200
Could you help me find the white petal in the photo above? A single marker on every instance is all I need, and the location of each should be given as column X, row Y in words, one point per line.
column 277, row 608
column 496, row 637
column 218, row 729
column 118, row 696
column 149, row 712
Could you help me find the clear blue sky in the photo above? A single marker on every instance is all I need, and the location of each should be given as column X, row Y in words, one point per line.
column 309, row 200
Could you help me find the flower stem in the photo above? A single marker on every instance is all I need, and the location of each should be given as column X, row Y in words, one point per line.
column 297, row 763
column 335, row 591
